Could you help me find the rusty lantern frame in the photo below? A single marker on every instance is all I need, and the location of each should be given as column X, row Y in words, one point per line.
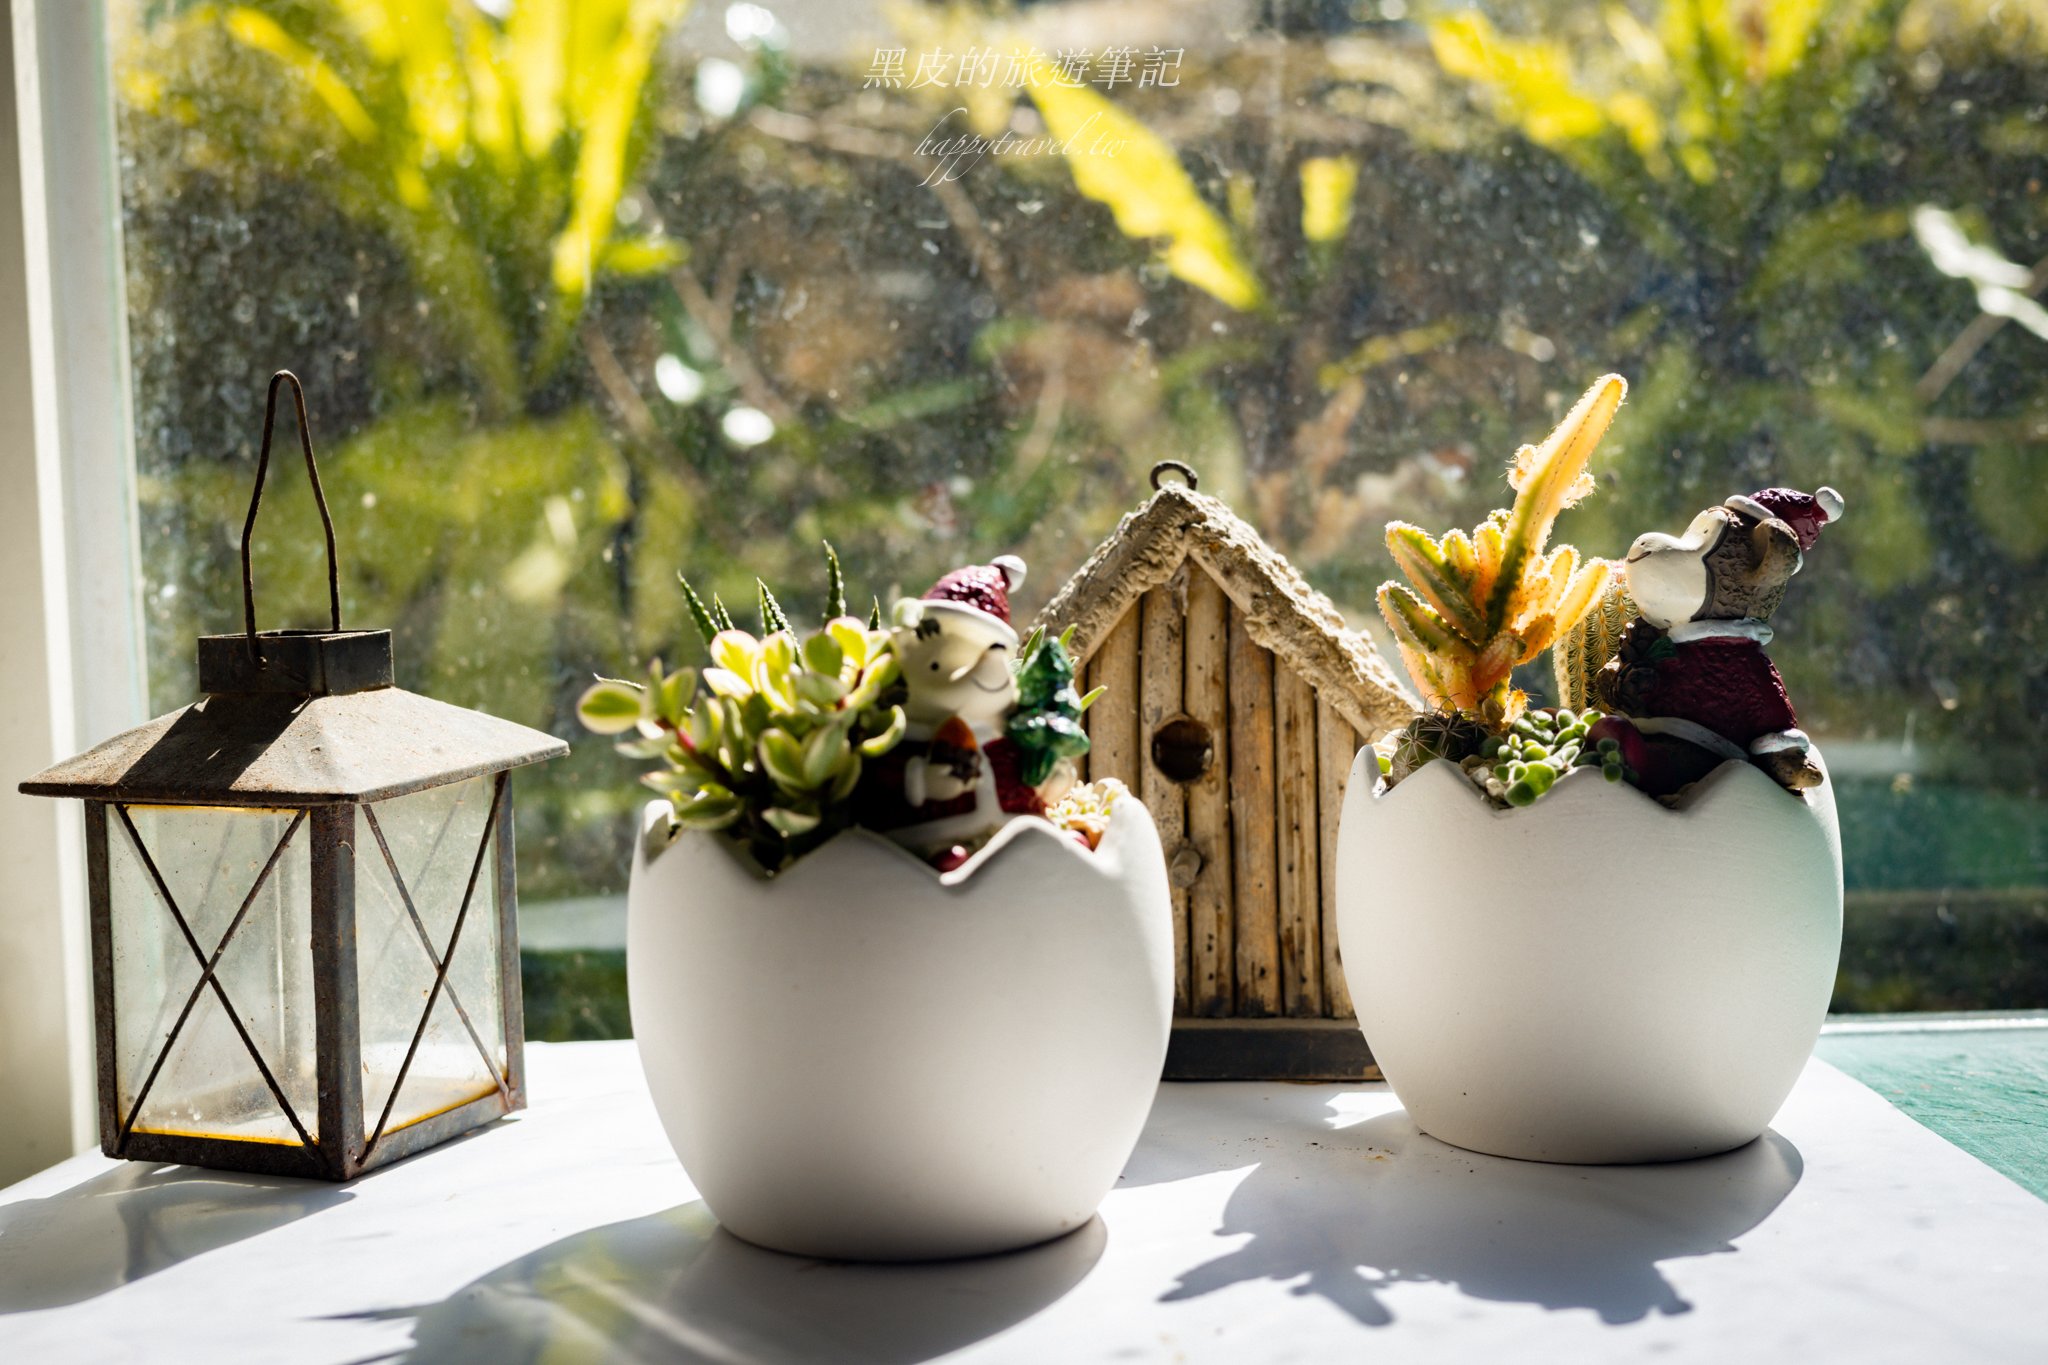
column 306, row 726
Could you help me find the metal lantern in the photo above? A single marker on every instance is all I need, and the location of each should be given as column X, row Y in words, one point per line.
column 304, row 939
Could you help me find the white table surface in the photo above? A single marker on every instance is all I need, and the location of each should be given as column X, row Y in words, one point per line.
column 1255, row 1223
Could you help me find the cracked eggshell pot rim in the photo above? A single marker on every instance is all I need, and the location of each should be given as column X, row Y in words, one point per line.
column 1595, row 977
column 863, row 1058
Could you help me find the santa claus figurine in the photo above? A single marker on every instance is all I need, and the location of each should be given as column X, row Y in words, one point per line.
column 955, row 777
column 1691, row 676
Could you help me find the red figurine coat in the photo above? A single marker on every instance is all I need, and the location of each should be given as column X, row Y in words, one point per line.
column 1724, row 682
column 886, row 808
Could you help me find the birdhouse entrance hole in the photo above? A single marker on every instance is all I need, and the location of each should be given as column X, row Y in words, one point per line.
column 1183, row 749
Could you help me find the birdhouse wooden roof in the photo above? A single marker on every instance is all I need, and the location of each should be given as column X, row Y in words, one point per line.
column 1282, row 613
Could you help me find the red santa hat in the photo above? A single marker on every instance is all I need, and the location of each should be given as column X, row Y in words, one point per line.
column 984, row 588
column 1805, row 513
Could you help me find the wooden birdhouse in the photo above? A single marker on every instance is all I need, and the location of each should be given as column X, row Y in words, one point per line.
column 1236, row 700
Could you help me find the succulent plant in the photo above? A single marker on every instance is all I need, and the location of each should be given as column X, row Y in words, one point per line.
column 1046, row 725
column 1538, row 748
column 1481, row 604
column 768, row 742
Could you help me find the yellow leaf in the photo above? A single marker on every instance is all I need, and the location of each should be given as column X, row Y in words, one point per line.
column 261, row 32
column 1641, row 125
column 607, row 110
column 1328, row 185
column 1638, row 44
column 1386, row 348
column 436, row 89
column 1789, row 28
column 491, row 114
column 418, row 38
column 1758, row 40
column 1530, row 79
column 537, row 34
column 644, row 256
column 1118, row 161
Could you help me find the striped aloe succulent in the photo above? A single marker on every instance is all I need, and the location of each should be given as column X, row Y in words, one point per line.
column 1481, row 604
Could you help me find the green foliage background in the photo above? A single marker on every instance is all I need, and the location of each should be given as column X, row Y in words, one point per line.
column 546, row 274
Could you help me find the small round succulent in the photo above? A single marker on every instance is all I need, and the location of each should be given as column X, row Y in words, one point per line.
column 1538, row 748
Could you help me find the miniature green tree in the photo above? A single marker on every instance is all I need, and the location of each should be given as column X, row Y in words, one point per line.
column 1047, row 722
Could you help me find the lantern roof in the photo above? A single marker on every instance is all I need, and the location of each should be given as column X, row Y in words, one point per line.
column 295, row 717
column 287, row 749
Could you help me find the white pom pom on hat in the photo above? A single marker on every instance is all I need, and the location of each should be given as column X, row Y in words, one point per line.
column 1012, row 569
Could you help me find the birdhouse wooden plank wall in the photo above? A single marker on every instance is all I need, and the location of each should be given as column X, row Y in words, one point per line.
column 1235, row 703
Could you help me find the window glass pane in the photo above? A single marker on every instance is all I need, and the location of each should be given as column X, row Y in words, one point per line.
column 695, row 288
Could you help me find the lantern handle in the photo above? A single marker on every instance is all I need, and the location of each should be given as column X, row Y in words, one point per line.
column 1186, row 472
column 256, row 502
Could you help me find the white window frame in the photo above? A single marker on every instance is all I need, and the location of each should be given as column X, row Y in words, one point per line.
column 72, row 665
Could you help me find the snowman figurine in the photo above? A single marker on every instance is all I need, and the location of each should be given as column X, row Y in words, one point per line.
column 1691, row 676
column 955, row 777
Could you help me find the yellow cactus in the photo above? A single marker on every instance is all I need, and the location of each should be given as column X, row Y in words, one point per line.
column 1483, row 603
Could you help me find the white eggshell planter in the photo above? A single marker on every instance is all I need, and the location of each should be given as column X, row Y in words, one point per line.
column 864, row 1059
column 1594, row 977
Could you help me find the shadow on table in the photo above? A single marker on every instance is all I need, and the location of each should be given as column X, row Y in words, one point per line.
column 1351, row 1212
column 131, row 1222
column 674, row 1286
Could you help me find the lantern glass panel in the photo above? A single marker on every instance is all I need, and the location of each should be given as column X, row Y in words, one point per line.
column 434, row 837
column 209, row 1083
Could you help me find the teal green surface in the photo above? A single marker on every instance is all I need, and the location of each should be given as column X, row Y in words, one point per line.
column 1983, row 1087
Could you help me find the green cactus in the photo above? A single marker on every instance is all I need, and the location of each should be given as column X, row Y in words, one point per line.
column 1583, row 650
column 1433, row 735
